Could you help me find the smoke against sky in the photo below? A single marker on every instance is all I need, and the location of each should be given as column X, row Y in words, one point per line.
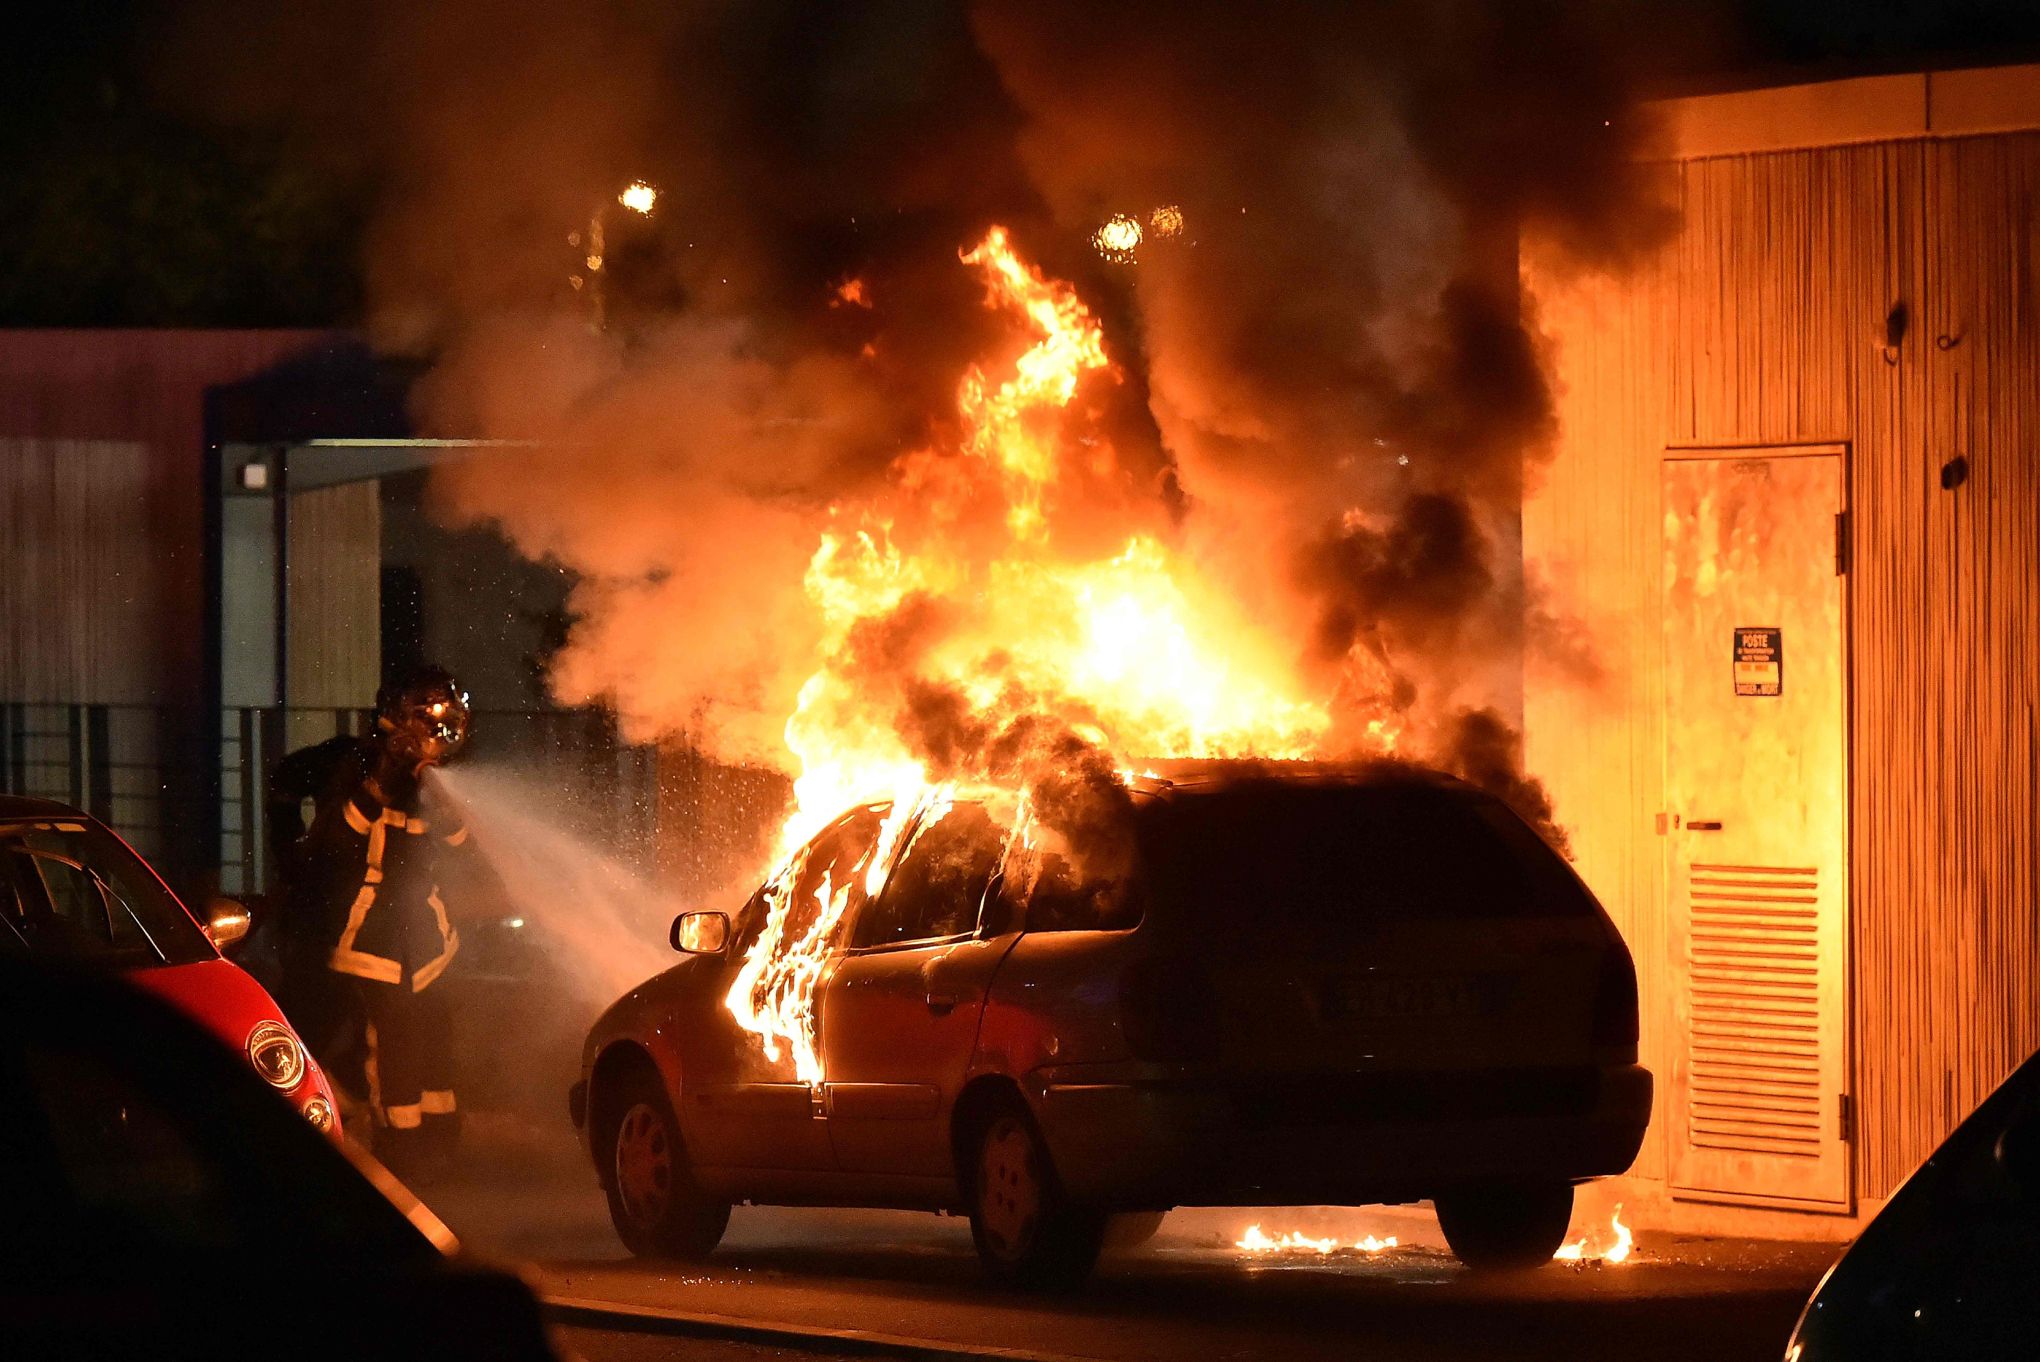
column 1323, row 393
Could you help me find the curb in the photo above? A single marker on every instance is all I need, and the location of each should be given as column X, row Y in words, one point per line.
column 653, row 1319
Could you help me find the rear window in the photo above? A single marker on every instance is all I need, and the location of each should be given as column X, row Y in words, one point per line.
column 74, row 892
column 1325, row 856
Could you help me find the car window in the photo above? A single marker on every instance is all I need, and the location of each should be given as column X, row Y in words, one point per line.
column 51, row 880
column 938, row 889
column 1337, row 858
column 833, row 864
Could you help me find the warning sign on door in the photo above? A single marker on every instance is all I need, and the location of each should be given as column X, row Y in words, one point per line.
column 1759, row 661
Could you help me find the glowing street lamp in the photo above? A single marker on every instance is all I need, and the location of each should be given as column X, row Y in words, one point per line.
column 640, row 198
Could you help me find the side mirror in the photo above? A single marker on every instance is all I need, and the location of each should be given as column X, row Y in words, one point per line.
column 226, row 921
column 701, row 933
column 2017, row 1152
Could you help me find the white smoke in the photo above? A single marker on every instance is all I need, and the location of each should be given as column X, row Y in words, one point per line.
column 599, row 923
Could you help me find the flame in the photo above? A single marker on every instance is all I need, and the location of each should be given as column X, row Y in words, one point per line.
column 1166, row 221
column 1071, row 345
column 1617, row 1250
column 1255, row 1240
column 1134, row 650
column 639, row 197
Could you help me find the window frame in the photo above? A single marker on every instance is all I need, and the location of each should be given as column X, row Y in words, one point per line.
column 994, row 883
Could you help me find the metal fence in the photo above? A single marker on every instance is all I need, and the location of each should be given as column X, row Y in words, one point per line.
column 114, row 762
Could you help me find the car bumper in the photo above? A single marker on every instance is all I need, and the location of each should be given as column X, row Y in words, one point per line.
column 1153, row 1142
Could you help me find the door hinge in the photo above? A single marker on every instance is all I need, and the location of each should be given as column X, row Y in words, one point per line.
column 1845, row 1118
column 1841, row 542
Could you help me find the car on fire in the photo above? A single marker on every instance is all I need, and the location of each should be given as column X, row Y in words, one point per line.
column 72, row 892
column 1298, row 987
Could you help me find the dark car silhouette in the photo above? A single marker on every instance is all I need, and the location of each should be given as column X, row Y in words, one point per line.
column 162, row 1203
column 1948, row 1268
column 1291, row 988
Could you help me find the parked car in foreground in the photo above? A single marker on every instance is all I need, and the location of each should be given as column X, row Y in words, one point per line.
column 1376, row 985
column 161, row 1203
column 1948, row 1268
column 73, row 892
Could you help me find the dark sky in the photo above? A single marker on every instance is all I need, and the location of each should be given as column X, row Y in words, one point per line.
column 118, row 210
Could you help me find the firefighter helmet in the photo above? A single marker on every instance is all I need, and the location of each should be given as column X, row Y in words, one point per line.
column 423, row 717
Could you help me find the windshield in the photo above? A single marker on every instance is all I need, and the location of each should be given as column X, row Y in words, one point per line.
column 73, row 891
column 1326, row 857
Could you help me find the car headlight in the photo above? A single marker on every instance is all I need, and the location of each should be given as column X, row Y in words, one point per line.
column 277, row 1055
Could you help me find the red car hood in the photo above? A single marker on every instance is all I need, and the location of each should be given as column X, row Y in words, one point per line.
column 217, row 994
column 225, row 999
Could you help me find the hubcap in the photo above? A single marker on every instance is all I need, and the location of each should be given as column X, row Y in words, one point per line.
column 644, row 1164
column 1009, row 1187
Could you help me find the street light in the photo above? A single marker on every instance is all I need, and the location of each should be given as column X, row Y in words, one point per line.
column 640, row 198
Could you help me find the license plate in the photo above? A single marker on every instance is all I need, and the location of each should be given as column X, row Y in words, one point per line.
column 1375, row 1000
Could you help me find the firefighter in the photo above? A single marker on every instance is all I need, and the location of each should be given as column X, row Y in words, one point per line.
column 366, row 911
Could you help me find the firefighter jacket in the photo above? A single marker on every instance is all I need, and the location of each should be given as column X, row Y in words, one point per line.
column 378, row 860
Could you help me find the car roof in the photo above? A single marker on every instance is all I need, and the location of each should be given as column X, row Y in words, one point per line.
column 1196, row 777
column 13, row 807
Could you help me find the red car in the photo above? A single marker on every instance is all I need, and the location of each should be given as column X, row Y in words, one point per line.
column 72, row 891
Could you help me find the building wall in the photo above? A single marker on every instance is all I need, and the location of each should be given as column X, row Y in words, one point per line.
column 1767, row 320
column 102, row 497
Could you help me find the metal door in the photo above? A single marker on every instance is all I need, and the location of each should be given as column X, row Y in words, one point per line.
column 1757, row 830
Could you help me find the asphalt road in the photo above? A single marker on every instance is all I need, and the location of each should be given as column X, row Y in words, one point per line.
column 864, row 1278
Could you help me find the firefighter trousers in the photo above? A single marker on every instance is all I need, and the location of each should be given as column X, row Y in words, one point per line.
column 410, row 1068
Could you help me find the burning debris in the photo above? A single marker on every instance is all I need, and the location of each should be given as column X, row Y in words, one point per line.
column 1257, row 1241
column 1614, row 1249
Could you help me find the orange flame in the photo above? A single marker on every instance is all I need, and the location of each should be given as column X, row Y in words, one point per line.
column 1256, row 1240
column 1137, row 652
column 1616, row 1251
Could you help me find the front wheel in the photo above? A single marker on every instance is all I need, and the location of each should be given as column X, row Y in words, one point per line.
column 658, row 1208
column 1027, row 1233
column 1514, row 1225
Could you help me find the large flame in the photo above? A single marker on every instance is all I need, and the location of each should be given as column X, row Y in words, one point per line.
column 1135, row 651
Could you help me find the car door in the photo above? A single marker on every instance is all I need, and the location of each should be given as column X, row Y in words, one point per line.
column 741, row 1106
column 899, row 1015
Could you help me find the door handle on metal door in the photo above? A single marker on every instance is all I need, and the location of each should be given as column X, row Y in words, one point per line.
column 1703, row 825
column 942, row 1004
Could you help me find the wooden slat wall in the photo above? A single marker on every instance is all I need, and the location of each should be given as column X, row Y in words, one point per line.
column 141, row 390
column 1764, row 322
column 334, row 655
column 74, row 529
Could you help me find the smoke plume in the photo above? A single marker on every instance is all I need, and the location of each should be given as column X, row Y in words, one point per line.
column 1324, row 395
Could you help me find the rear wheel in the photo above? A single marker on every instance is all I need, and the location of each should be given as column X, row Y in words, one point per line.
column 1508, row 1225
column 658, row 1208
column 1131, row 1229
column 1027, row 1232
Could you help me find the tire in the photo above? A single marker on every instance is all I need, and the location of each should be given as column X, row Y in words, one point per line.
column 1027, row 1233
column 658, row 1209
column 1129, row 1230
column 1506, row 1226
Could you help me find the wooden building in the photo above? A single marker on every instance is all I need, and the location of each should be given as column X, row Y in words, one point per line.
column 1795, row 506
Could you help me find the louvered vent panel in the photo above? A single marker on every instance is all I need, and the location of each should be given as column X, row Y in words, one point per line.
column 1754, row 1049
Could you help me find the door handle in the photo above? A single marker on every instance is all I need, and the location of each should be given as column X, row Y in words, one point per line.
column 942, row 1004
column 1703, row 825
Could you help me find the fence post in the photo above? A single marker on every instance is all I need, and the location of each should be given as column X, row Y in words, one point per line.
column 251, row 798
column 11, row 754
column 99, row 763
column 74, row 755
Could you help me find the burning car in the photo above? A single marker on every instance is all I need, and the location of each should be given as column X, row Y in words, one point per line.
column 1247, row 987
